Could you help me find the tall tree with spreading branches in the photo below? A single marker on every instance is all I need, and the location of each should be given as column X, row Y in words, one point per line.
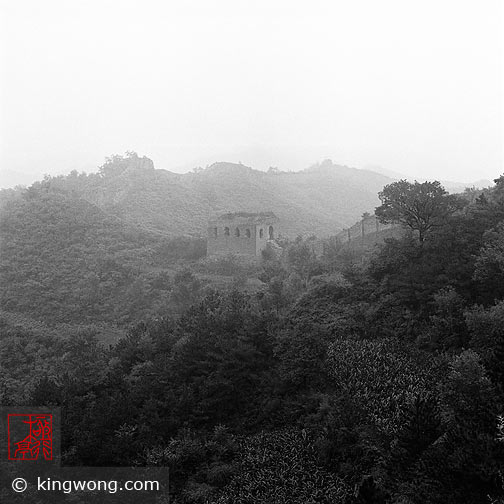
column 419, row 206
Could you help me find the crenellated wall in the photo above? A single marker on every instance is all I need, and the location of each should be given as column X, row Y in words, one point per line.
column 366, row 226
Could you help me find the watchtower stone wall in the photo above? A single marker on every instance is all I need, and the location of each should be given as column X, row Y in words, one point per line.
column 241, row 233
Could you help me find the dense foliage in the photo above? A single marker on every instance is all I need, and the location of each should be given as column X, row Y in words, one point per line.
column 354, row 376
column 63, row 260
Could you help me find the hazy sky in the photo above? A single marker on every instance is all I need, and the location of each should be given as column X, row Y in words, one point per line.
column 413, row 86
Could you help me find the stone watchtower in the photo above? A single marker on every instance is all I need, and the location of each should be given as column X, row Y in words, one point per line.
column 241, row 233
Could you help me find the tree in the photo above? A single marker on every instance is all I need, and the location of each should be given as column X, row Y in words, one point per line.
column 186, row 288
column 419, row 206
column 302, row 259
column 489, row 266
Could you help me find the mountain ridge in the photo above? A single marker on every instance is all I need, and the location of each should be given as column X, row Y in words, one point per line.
column 320, row 200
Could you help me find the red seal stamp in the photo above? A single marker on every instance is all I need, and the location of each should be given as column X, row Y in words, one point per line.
column 30, row 436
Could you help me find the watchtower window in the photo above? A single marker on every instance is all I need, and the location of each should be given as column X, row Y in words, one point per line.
column 226, row 231
column 270, row 231
column 237, row 232
column 215, row 232
column 247, row 233
column 261, row 233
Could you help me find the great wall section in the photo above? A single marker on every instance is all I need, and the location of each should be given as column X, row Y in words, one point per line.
column 369, row 230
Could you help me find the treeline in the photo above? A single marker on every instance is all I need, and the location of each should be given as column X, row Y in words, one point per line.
column 346, row 378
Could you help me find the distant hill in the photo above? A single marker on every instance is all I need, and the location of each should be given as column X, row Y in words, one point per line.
column 320, row 200
column 450, row 185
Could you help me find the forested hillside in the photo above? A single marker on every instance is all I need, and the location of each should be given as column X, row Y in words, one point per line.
column 105, row 248
column 349, row 378
column 64, row 260
column 320, row 200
